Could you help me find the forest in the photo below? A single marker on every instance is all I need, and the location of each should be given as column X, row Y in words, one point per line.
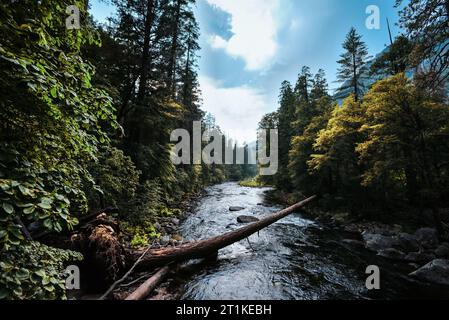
column 381, row 151
column 86, row 116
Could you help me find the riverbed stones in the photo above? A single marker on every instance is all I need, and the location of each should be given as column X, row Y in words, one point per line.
column 436, row 271
column 157, row 226
column 443, row 250
column 427, row 237
column 419, row 257
column 408, row 242
column 164, row 240
column 247, row 219
column 391, row 254
column 377, row 242
column 235, row 209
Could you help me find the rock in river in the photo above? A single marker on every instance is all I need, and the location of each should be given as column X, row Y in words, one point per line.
column 408, row 242
column 419, row 257
column 234, row 209
column 436, row 272
column 377, row 242
column 247, row 219
column 443, row 250
column 428, row 237
column 392, row 254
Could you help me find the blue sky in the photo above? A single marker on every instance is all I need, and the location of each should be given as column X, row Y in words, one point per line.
column 250, row 46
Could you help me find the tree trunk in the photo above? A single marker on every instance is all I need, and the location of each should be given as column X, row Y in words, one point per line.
column 146, row 49
column 356, row 89
column 148, row 286
column 174, row 48
column 205, row 248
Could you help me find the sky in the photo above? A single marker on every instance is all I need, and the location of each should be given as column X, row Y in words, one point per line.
column 248, row 47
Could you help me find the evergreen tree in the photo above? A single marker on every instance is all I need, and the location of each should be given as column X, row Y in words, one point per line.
column 353, row 67
column 287, row 110
column 395, row 60
column 426, row 23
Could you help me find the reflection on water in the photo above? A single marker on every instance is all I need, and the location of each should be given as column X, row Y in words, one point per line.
column 295, row 258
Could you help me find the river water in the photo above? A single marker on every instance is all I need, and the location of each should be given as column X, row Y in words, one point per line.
column 294, row 259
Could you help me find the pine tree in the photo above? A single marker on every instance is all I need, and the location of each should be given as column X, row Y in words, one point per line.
column 287, row 110
column 353, row 67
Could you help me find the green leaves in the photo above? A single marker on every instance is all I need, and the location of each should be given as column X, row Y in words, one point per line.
column 34, row 271
column 8, row 208
column 54, row 92
column 29, row 210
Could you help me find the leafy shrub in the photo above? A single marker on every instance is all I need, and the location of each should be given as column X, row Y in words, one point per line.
column 51, row 125
column 34, row 271
column 141, row 234
column 117, row 178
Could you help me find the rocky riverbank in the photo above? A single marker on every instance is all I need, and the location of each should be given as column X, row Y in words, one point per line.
column 422, row 250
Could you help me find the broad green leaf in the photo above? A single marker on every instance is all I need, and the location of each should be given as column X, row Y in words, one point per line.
column 8, row 208
column 29, row 210
column 44, row 205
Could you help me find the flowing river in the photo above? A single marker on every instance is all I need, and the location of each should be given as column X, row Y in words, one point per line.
column 296, row 258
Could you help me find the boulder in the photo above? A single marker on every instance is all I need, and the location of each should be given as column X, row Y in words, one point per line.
column 392, row 254
column 235, row 209
column 419, row 257
column 247, row 219
column 377, row 242
column 436, row 272
column 408, row 242
column 427, row 237
column 443, row 250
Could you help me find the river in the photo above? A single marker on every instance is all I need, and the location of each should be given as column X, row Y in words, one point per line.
column 294, row 259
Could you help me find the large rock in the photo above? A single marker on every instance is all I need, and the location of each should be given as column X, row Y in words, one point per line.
column 436, row 272
column 443, row 250
column 419, row 257
column 392, row 254
column 408, row 242
column 378, row 242
column 235, row 209
column 427, row 237
column 247, row 219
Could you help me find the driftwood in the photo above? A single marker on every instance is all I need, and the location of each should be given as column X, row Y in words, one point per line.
column 148, row 286
column 202, row 249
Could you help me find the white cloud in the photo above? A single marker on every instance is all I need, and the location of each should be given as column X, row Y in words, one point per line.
column 237, row 110
column 254, row 31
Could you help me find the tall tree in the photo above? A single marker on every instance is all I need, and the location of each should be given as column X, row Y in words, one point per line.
column 427, row 24
column 353, row 66
column 287, row 110
column 395, row 59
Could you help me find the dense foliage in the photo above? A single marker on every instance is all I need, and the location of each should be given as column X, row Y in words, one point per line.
column 86, row 117
column 385, row 149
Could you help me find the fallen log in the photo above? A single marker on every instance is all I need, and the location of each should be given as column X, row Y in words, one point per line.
column 148, row 286
column 202, row 249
